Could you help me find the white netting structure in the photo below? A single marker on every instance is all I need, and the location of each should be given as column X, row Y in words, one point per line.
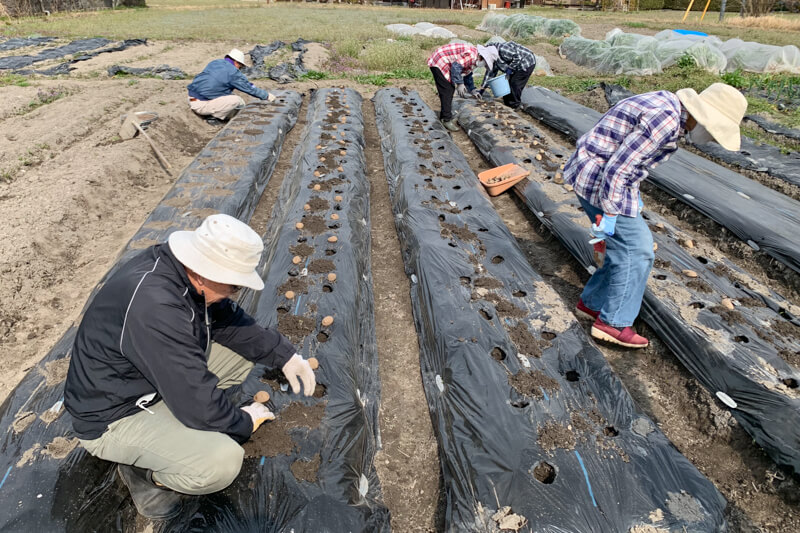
column 520, row 27
column 426, row 29
column 631, row 53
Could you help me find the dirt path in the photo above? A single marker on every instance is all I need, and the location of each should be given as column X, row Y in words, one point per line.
column 408, row 465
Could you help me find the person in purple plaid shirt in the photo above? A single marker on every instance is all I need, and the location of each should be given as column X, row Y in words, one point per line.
column 609, row 163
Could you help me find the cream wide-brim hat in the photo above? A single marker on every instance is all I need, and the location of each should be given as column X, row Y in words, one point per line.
column 237, row 55
column 719, row 110
column 222, row 249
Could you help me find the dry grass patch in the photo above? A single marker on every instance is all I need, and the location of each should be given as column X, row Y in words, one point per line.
column 771, row 22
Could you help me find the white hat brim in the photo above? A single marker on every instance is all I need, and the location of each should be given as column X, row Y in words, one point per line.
column 182, row 246
column 721, row 128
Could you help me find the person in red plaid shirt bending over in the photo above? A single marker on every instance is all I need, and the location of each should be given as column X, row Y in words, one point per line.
column 452, row 66
column 609, row 162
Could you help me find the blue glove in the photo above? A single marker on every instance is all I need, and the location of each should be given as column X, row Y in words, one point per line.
column 641, row 203
column 606, row 226
column 509, row 72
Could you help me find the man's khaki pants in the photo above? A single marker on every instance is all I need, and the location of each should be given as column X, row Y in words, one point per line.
column 185, row 460
column 220, row 108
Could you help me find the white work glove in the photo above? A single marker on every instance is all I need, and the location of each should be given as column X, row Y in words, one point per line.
column 297, row 367
column 462, row 91
column 477, row 94
column 259, row 413
column 271, row 97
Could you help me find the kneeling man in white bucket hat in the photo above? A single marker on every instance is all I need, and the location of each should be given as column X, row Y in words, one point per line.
column 609, row 163
column 211, row 91
column 154, row 353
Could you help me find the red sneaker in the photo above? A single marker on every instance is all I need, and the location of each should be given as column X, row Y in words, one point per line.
column 627, row 337
column 585, row 311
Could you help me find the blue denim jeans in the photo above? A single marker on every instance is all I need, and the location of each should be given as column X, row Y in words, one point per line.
column 616, row 289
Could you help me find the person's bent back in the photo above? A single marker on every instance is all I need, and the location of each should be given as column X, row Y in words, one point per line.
column 211, row 91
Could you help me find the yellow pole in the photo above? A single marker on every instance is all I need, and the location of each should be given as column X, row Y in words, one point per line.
column 691, row 3
column 704, row 11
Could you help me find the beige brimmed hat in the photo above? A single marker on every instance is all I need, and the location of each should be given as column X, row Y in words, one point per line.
column 222, row 249
column 237, row 55
column 719, row 111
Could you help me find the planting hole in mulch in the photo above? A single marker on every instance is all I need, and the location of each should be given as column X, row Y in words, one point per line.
column 533, row 383
column 297, row 285
column 302, row 249
column 318, row 204
column 295, row 327
column 489, row 283
column 326, row 185
column 699, row 285
column 463, row 233
column 732, row 317
column 321, row 266
column 785, row 328
column 306, row 470
column 572, row 375
column 314, row 224
column 275, row 438
column 553, row 435
column 498, row 354
column 526, row 343
column 503, row 307
column 793, row 358
column 544, row 473
column 661, row 263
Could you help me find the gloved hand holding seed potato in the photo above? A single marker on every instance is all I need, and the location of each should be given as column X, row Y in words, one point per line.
column 298, row 369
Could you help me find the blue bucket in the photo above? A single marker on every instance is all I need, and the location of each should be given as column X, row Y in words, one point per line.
column 499, row 86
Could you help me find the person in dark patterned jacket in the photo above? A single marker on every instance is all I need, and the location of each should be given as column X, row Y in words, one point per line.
column 518, row 63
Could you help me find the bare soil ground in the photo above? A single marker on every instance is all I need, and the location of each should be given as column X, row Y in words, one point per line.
column 74, row 194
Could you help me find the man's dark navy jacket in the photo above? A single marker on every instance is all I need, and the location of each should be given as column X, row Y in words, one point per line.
column 146, row 332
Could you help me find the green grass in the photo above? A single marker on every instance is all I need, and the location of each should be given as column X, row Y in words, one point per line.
column 316, row 75
column 757, row 134
column 234, row 22
column 44, row 97
column 359, row 43
column 14, row 79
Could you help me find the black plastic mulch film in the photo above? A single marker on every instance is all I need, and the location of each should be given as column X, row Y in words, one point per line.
column 774, row 128
column 526, row 410
column 283, row 72
column 46, row 482
column 753, row 155
column 763, row 218
column 23, row 42
column 737, row 351
column 81, row 50
column 326, row 264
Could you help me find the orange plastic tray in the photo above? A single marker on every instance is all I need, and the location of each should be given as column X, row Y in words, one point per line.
column 512, row 174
